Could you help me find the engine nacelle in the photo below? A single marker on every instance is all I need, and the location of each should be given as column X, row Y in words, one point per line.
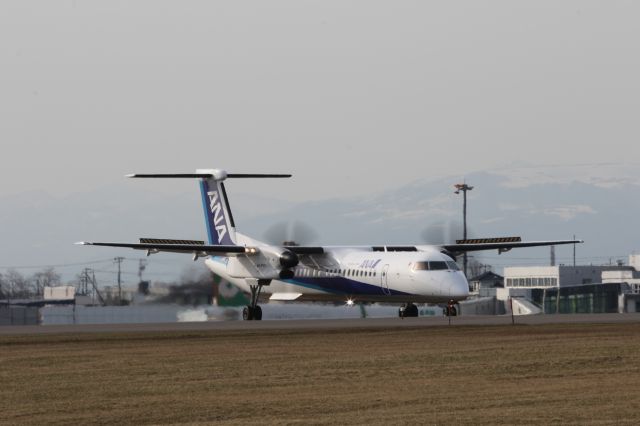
column 280, row 257
column 289, row 259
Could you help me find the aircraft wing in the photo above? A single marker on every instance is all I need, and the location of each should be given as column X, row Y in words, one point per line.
column 305, row 249
column 500, row 244
column 177, row 246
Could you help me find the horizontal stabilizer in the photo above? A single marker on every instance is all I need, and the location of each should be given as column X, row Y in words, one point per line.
column 206, row 175
column 171, row 175
column 257, row 175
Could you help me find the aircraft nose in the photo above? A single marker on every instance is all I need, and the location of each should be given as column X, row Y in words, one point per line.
column 459, row 289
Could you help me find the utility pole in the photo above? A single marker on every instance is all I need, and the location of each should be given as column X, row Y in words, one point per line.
column 88, row 277
column 119, row 260
column 84, row 282
column 553, row 255
column 464, row 188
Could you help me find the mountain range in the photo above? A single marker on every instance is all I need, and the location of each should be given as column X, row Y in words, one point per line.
column 598, row 203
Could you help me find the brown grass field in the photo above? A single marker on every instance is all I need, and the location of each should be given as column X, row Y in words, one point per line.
column 546, row 374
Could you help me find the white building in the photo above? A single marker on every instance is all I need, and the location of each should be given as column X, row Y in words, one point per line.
column 63, row 292
column 630, row 275
column 566, row 276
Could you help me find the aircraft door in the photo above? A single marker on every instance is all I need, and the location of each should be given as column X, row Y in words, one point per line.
column 384, row 283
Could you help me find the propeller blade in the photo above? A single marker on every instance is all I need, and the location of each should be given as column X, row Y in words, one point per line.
column 440, row 233
column 291, row 232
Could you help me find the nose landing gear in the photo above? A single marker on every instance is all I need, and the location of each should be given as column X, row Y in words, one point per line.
column 408, row 310
column 450, row 310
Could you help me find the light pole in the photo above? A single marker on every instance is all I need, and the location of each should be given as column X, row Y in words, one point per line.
column 464, row 188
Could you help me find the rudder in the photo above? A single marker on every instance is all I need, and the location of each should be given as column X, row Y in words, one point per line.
column 218, row 218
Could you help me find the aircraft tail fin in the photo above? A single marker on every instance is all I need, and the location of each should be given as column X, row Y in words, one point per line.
column 221, row 228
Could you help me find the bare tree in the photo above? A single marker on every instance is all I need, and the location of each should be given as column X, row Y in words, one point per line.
column 48, row 277
column 18, row 285
column 477, row 268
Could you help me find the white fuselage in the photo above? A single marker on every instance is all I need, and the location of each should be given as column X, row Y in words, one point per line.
column 359, row 274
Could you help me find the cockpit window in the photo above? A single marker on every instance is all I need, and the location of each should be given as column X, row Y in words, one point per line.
column 421, row 266
column 438, row 266
column 453, row 265
column 434, row 266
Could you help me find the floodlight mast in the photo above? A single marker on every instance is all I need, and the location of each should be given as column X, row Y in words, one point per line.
column 464, row 188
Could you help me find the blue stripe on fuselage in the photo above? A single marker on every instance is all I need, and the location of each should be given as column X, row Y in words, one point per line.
column 341, row 285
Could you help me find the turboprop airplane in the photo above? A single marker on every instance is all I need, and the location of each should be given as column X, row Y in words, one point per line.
column 405, row 274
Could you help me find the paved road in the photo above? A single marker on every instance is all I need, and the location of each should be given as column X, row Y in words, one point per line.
column 327, row 324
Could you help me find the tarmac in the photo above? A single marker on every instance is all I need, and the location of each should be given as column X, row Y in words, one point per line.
column 326, row 324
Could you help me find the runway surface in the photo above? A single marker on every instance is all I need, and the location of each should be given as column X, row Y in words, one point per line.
column 325, row 324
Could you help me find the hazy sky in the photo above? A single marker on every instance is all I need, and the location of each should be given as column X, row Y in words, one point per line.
column 350, row 96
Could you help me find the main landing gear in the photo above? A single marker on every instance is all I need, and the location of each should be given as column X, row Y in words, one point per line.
column 254, row 311
column 408, row 310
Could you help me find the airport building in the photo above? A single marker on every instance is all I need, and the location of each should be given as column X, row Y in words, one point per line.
column 576, row 289
column 629, row 276
column 557, row 276
column 569, row 276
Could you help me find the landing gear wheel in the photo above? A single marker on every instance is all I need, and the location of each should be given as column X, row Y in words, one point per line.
column 253, row 311
column 411, row 310
column 247, row 313
column 257, row 313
